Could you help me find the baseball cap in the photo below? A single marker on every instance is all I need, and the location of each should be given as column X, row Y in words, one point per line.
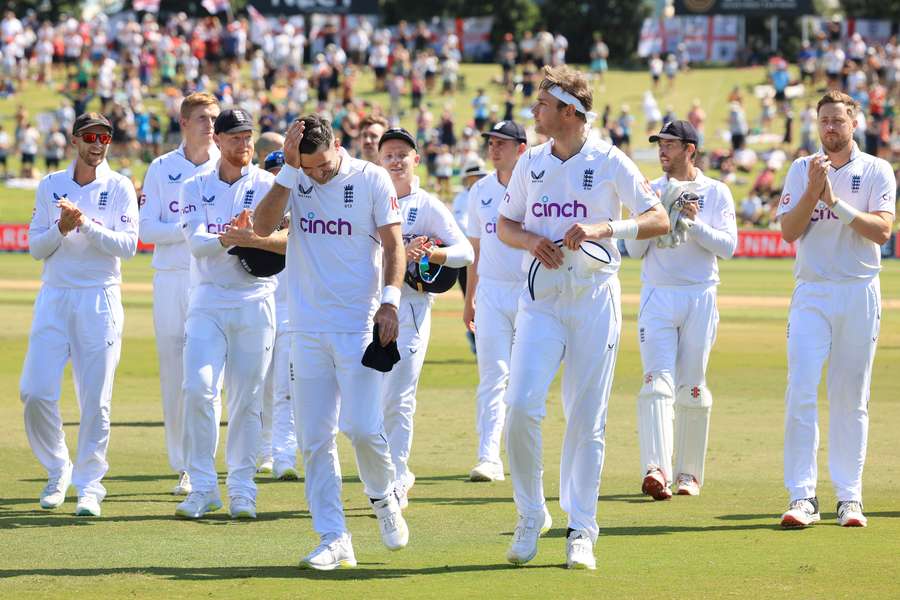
column 233, row 120
column 677, row 130
column 398, row 133
column 274, row 159
column 507, row 130
column 89, row 119
column 473, row 167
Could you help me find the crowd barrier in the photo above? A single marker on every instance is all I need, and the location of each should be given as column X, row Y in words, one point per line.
column 752, row 243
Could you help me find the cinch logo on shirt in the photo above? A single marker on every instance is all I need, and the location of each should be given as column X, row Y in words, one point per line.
column 545, row 208
column 822, row 213
column 310, row 224
column 174, row 178
column 217, row 227
column 490, row 227
column 173, row 206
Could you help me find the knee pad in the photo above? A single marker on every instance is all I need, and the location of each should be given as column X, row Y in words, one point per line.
column 657, row 384
column 693, row 396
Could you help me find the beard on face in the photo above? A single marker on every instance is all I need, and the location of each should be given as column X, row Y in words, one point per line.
column 836, row 142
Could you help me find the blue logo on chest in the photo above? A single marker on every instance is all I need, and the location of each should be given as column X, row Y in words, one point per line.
column 411, row 217
column 487, row 202
column 855, row 183
column 174, row 178
column 207, row 200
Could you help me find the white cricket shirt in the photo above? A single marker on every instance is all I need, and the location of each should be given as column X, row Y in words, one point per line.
column 694, row 261
column 423, row 214
column 548, row 195
column 334, row 249
column 160, row 213
column 88, row 256
column 208, row 205
column 496, row 260
column 829, row 250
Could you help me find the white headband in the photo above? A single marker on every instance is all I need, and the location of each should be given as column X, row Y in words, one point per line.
column 567, row 98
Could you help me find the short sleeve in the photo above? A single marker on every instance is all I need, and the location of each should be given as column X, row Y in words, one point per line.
column 385, row 206
column 632, row 187
column 514, row 202
column 884, row 189
column 793, row 188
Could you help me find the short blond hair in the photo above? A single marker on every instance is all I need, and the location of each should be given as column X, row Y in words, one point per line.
column 839, row 97
column 196, row 100
column 570, row 80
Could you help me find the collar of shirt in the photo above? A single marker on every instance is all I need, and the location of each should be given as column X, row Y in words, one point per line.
column 244, row 171
column 592, row 143
column 102, row 172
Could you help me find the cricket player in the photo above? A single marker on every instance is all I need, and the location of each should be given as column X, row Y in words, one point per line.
column 678, row 318
column 838, row 205
column 563, row 205
column 495, row 281
column 84, row 223
column 229, row 331
column 345, row 220
column 160, row 225
column 472, row 171
column 371, row 128
column 279, row 438
column 424, row 219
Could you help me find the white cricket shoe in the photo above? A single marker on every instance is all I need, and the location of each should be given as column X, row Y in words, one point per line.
column 184, row 485
column 655, row 485
column 686, row 485
column 242, row 507
column 198, row 504
column 332, row 553
column 524, row 543
column 394, row 531
column 487, row 471
column 285, row 472
column 850, row 514
column 54, row 493
column 580, row 551
column 801, row 513
column 402, row 487
column 88, row 506
column 265, row 467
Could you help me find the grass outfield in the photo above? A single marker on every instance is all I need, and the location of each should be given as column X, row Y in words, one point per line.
column 711, row 86
column 726, row 543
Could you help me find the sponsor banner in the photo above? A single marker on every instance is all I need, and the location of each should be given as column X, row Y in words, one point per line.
column 780, row 8
column 288, row 7
column 14, row 238
column 763, row 244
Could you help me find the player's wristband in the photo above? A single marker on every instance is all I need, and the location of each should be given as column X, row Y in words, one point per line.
column 845, row 213
column 287, row 177
column 624, row 229
column 390, row 295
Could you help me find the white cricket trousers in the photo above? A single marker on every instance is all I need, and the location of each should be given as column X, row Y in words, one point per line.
column 233, row 345
column 279, row 438
column 676, row 331
column 837, row 322
column 171, row 292
column 400, row 384
column 496, row 304
column 332, row 391
column 84, row 325
column 582, row 330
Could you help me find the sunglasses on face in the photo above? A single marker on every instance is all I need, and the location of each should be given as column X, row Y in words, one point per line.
column 90, row 138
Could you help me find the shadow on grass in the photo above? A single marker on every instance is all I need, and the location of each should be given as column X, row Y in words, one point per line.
column 368, row 571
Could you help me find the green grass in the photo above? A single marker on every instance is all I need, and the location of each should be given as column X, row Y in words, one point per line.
column 725, row 543
column 711, row 86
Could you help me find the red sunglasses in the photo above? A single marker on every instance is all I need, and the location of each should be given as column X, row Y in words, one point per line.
column 90, row 137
